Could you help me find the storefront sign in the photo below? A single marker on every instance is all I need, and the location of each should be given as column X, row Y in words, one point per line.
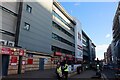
column 58, row 53
column 30, row 61
column 16, row 51
column 6, row 51
column 78, row 41
column 14, row 60
column 21, row 52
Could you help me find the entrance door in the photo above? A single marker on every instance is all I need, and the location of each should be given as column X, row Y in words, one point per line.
column 41, row 63
column 5, row 63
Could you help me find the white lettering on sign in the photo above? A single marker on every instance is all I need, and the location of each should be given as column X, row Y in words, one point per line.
column 13, row 64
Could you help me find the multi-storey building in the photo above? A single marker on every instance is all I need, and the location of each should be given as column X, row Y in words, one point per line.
column 109, row 54
column 113, row 53
column 105, row 58
column 8, row 26
column 8, row 19
column 46, row 31
column 93, row 52
column 63, row 35
column 116, row 33
column 89, row 54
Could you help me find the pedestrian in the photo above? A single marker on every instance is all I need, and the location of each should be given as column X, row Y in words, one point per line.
column 59, row 71
column 66, row 70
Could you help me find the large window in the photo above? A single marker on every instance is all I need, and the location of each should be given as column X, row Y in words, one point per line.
column 61, row 29
column 28, row 9
column 57, row 49
column 60, row 18
column 56, row 37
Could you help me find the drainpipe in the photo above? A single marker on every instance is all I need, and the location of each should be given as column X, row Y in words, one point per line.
column 18, row 23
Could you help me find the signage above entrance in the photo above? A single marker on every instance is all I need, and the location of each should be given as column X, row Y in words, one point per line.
column 58, row 54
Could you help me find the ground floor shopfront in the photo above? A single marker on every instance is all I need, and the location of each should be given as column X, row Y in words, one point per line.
column 17, row 60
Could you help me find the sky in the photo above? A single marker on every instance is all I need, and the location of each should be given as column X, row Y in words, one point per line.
column 96, row 19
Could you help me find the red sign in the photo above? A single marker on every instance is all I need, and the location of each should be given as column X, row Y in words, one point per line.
column 30, row 61
column 14, row 59
column 6, row 51
column 58, row 53
column 21, row 52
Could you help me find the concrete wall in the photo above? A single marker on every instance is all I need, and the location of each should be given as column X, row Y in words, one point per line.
column 8, row 19
column 35, row 65
column 39, row 37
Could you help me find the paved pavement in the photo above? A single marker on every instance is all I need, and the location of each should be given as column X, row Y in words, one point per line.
column 85, row 74
column 33, row 75
column 49, row 74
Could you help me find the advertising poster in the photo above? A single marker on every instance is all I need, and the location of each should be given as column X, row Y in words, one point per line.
column 14, row 60
column 78, row 41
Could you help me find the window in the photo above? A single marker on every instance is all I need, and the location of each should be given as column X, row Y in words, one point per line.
column 62, row 30
column 60, row 18
column 29, row 9
column 56, row 37
column 27, row 26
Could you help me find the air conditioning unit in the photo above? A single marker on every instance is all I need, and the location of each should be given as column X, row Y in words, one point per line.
column 3, row 42
column 11, row 43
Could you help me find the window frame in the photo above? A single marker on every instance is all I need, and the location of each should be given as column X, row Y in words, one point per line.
column 28, row 8
column 25, row 26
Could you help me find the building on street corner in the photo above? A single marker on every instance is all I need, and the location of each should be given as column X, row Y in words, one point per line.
column 37, row 35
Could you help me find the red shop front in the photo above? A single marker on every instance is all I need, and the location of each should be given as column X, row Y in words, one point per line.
column 13, row 60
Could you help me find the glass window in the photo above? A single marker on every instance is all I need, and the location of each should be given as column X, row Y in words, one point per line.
column 62, row 30
column 29, row 9
column 27, row 26
column 60, row 18
column 56, row 37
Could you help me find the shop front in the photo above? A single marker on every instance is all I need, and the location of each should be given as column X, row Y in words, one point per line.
column 13, row 60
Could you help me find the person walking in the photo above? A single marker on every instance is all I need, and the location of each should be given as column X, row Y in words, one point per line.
column 66, row 70
column 59, row 71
